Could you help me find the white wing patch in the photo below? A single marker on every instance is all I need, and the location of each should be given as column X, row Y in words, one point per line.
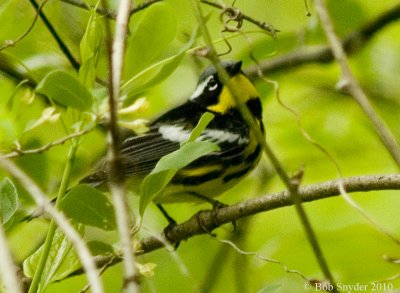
column 179, row 134
column 174, row 133
column 220, row 136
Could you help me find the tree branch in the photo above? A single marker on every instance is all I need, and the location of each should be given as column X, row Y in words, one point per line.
column 352, row 43
column 116, row 51
column 208, row 220
column 75, row 64
column 8, row 270
column 12, row 43
column 238, row 16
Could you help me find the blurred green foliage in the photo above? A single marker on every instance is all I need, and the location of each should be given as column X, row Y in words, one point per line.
column 354, row 249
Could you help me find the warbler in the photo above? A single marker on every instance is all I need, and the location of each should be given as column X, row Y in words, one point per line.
column 211, row 174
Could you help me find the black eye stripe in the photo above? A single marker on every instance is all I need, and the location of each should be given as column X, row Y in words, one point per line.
column 208, row 91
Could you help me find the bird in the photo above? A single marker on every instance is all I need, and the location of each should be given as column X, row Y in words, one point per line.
column 212, row 174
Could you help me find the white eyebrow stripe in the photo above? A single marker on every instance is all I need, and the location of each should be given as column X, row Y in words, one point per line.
column 200, row 88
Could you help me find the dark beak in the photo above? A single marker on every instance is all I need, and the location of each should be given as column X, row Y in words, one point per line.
column 232, row 67
column 236, row 68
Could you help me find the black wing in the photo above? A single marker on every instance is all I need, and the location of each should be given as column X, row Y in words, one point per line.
column 139, row 156
column 140, row 153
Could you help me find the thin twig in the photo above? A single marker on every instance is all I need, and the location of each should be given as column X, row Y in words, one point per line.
column 41, row 201
column 101, row 272
column 211, row 219
column 355, row 41
column 8, row 270
column 12, row 43
column 261, row 257
column 239, row 15
column 291, row 184
column 352, row 43
column 109, row 13
column 86, row 6
column 75, row 64
column 222, row 257
column 115, row 178
column 350, row 84
column 18, row 152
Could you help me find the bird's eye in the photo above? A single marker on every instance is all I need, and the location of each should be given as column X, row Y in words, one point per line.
column 212, row 84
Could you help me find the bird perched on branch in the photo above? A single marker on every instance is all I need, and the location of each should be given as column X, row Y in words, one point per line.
column 211, row 174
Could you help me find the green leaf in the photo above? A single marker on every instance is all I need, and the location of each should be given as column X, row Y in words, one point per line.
column 66, row 90
column 61, row 262
column 87, row 72
column 92, row 39
column 167, row 167
column 152, row 185
column 205, row 119
column 89, row 206
column 157, row 72
column 185, row 155
column 151, row 35
column 8, row 200
column 90, row 49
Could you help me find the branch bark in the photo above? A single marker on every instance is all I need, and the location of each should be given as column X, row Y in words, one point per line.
column 208, row 220
column 8, row 270
column 115, row 177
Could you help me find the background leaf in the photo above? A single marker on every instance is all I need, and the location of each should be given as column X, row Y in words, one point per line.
column 8, row 200
column 66, row 90
column 154, row 74
column 151, row 35
column 89, row 206
column 61, row 262
column 90, row 47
